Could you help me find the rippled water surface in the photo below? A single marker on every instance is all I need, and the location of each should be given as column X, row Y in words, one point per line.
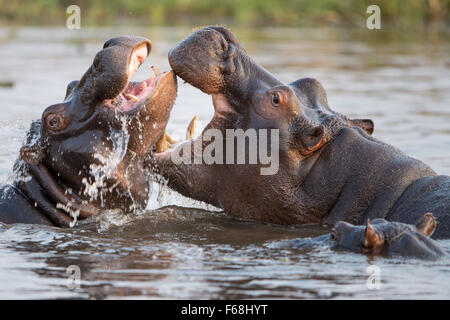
column 186, row 249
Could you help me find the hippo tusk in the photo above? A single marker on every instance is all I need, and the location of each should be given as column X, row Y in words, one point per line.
column 156, row 71
column 164, row 142
column 191, row 128
column 132, row 97
column 170, row 140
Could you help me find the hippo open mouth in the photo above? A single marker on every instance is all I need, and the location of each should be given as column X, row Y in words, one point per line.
column 136, row 93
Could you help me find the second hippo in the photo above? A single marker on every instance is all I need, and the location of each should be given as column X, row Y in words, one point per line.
column 380, row 237
column 327, row 167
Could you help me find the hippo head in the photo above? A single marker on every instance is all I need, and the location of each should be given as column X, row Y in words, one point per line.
column 248, row 98
column 389, row 238
column 89, row 151
column 212, row 60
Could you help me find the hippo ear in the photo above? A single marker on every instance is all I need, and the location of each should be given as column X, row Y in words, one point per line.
column 310, row 92
column 70, row 88
column 427, row 224
column 365, row 124
column 371, row 238
column 313, row 139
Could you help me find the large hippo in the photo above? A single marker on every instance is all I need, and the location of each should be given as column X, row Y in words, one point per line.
column 91, row 152
column 330, row 167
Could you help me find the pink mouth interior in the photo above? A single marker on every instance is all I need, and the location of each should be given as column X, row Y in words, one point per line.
column 137, row 58
column 138, row 90
column 135, row 92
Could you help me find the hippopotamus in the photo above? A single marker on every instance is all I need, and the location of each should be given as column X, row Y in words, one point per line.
column 382, row 237
column 92, row 151
column 377, row 237
column 329, row 167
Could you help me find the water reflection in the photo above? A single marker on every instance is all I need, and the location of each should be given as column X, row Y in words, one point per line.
column 184, row 253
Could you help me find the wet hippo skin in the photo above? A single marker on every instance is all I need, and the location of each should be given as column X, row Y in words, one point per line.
column 91, row 152
column 330, row 167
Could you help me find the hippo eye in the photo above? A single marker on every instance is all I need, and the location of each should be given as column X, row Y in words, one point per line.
column 53, row 121
column 275, row 99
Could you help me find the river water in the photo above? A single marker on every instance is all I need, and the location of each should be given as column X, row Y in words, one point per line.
column 182, row 249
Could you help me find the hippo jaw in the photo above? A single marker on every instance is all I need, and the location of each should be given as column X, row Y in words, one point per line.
column 107, row 83
column 105, row 129
column 136, row 95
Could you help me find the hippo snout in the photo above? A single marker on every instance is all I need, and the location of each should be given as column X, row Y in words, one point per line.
column 204, row 57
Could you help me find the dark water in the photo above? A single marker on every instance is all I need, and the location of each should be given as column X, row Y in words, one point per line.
column 197, row 252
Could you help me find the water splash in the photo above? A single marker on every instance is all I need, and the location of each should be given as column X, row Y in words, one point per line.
column 111, row 218
column 107, row 168
column 73, row 213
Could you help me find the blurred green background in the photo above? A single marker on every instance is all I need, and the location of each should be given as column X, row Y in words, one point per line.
column 399, row 14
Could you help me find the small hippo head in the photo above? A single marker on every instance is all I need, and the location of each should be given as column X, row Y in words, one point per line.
column 389, row 238
column 91, row 148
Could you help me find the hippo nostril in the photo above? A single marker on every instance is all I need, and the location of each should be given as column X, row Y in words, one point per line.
column 54, row 122
column 334, row 234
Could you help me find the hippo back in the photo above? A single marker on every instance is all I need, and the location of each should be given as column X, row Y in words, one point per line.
column 429, row 194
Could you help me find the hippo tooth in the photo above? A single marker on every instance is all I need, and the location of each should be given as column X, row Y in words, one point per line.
column 132, row 97
column 144, row 84
column 191, row 128
column 162, row 143
column 156, row 71
column 150, row 78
